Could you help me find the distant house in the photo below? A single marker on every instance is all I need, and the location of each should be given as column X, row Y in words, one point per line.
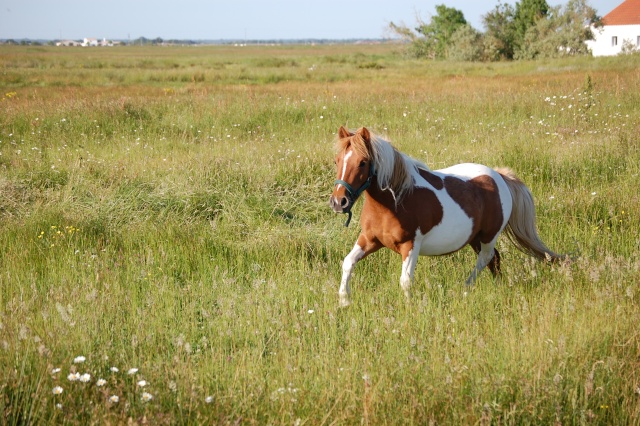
column 620, row 29
column 68, row 43
column 96, row 42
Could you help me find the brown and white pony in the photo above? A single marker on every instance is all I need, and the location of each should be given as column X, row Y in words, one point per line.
column 414, row 211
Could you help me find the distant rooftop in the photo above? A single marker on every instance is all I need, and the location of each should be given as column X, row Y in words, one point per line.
column 627, row 13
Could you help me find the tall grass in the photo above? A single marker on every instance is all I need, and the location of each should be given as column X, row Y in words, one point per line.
column 165, row 209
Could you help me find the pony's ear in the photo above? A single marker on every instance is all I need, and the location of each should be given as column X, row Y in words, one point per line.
column 344, row 133
column 364, row 134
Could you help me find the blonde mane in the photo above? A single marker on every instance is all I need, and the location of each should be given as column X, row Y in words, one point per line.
column 394, row 169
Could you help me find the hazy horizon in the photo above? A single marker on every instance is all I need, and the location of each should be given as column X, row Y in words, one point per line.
column 237, row 20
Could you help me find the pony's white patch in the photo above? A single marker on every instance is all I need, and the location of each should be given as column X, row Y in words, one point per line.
column 468, row 171
column 451, row 234
column 345, row 160
column 455, row 229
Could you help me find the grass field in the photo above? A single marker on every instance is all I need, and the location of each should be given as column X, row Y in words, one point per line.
column 168, row 255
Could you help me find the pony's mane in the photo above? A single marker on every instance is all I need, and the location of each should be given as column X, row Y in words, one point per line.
column 393, row 168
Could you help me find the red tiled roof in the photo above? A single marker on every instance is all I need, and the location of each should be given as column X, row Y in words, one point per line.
column 627, row 13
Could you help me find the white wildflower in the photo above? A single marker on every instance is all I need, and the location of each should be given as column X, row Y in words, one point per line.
column 101, row 382
column 57, row 390
column 146, row 397
column 79, row 359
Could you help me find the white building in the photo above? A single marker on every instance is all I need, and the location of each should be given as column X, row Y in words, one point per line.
column 621, row 27
column 96, row 42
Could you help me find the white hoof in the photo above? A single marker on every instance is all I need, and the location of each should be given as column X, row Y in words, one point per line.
column 344, row 301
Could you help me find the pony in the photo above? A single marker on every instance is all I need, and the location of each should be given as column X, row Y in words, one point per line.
column 415, row 211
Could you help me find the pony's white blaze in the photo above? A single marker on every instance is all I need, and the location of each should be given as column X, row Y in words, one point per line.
column 345, row 161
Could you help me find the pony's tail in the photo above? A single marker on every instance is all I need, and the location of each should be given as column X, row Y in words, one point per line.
column 521, row 228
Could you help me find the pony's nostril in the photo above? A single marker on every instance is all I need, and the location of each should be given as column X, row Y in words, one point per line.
column 343, row 202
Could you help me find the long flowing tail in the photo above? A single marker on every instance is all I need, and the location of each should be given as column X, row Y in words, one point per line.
column 521, row 228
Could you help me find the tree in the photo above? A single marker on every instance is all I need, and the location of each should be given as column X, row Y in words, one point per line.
column 466, row 45
column 562, row 33
column 418, row 47
column 500, row 32
column 527, row 13
column 442, row 26
column 432, row 39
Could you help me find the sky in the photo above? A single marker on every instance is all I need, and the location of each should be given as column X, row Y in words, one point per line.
column 230, row 19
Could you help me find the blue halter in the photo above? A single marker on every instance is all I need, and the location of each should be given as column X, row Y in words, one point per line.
column 353, row 194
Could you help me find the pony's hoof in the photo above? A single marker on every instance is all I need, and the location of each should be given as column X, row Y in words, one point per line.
column 344, row 302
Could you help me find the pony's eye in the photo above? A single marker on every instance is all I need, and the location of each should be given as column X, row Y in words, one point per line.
column 361, row 165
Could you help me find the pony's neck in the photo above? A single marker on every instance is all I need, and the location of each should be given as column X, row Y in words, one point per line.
column 375, row 196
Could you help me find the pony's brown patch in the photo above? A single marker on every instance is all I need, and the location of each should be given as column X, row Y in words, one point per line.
column 433, row 180
column 395, row 226
column 480, row 200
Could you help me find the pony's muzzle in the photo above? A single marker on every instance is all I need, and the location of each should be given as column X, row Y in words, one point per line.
column 339, row 204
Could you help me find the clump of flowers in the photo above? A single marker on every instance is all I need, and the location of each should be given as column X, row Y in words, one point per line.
column 54, row 235
column 104, row 385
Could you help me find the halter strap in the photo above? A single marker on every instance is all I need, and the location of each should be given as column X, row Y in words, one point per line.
column 353, row 194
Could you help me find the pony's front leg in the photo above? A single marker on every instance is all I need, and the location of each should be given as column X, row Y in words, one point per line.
column 409, row 260
column 348, row 264
column 363, row 247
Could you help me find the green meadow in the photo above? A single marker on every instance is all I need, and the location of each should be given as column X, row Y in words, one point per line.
column 168, row 255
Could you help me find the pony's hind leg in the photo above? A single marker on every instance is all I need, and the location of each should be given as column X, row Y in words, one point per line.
column 487, row 256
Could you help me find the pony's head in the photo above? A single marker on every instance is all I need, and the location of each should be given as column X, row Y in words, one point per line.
column 361, row 158
column 355, row 169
